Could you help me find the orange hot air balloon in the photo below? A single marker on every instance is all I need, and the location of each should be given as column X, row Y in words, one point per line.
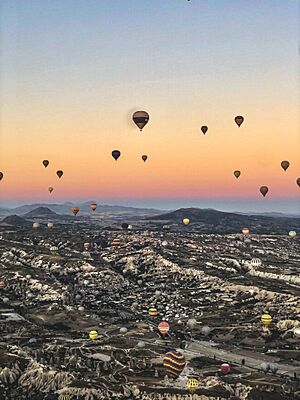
column 45, row 163
column 204, row 129
column 163, row 327
column 144, row 157
column 93, row 206
column 140, row 118
column 116, row 154
column 1, row 175
column 75, row 210
column 285, row 164
column 239, row 120
column 297, row 181
column 237, row 173
column 59, row 173
column 264, row 190
column 50, row 189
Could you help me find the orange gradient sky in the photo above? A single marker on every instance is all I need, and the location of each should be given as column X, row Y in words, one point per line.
column 71, row 81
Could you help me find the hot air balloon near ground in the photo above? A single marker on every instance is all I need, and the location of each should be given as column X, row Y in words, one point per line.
column 245, row 231
column 186, row 221
column 140, row 118
column 50, row 225
column 75, row 210
column 93, row 335
column 152, row 312
column 225, row 369
column 174, row 363
column 239, row 120
column 144, row 157
column 2, row 284
column 1, row 176
column 54, row 250
column 264, row 190
column 285, row 164
column 124, row 225
column 116, row 154
column 45, row 163
column 237, row 173
column 50, row 189
column 36, row 225
column 163, row 327
column 116, row 242
column 59, row 173
column 256, row 262
column 86, row 245
column 204, row 129
column 192, row 385
column 292, row 234
column 266, row 319
column 93, row 206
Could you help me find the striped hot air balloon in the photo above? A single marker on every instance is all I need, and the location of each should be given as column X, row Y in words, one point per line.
column 163, row 327
column 93, row 335
column 2, row 285
column 192, row 385
column 116, row 242
column 266, row 319
column 152, row 312
column 174, row 363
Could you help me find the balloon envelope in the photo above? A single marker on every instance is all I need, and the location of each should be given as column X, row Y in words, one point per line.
column 116, row 154
column 264, row 190
column 192, row 385
column 237, row 173
column 186, row 221
column 1, row 175
column 174, row 363
column 204, row 129
column 266, row 319
column 93, row 335
column 144, row 157
column 59, row 173
column 50, row 225
column 93, row 206
column 163, row 327
column 140, row 118
column 298, row 181
column 239, row 120
column 75, row 210
column 45, row 163
column 225, row 368
column 36, row 225
column 245, row 231
column 285, row 165
column 50, row 189
column 292, row 234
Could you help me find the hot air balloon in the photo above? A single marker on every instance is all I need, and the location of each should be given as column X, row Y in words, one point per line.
column 204, row 129
column 192, row 385
column 245, row 231
column 116, row 154
column 86, row 245
column 239, row 120
column 124, row 226
column 93, row 335
column 152, row 312
column 285, row 165
column 140, row 118
column 53, row 249
column 205, row 330
column 264, row 190
column 2, row 284
column 225, row 369
column 266, row 319
column 93, row 206
column 265, row 367
column 1, row 175
column 256, row 262
column 297, row 181
column 75, row 210
column 50, row 189
column 36, row 225
column 163, row 327
column 292, row 234
column 174, row 363
column 50, row 225
column 296, row 332
column 45, row 163
column 116, row 242
column 237, row 173
column 59, row 173
column 186, row 221
column 144, row 157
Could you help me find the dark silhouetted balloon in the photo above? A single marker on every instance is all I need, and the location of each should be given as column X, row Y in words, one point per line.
column 50, row 189
column 204, row 129
column 116, row 154
column 285, row 164
column 45, row 163
column 124, row 225
column 93, row 206
column 297, row 181
column 59, row 173
column 140, row 118
column 239, row 120
column 264, row 190
column 237, row 173
column 1, row 175
column 144, row 157
column 75, row 210
column 174, row 363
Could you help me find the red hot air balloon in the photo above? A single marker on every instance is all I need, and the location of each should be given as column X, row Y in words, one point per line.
column 144, row 157
column 116, row 154
column 285, row 164
column 174, row 363
column 163, row 327
column 264, row 190
column 140, row 118
column 45, row 163
column 225, row 369
column 239, row 120
column 59, row 173
column 204, row 129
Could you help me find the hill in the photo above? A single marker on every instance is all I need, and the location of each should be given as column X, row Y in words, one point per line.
column 41, row 212
column 214, row 221
column 15, row 220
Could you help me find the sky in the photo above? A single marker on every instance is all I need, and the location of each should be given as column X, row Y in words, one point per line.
column 74, row 71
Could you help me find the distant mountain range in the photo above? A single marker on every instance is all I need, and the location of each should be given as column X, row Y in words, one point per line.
column 213, row 221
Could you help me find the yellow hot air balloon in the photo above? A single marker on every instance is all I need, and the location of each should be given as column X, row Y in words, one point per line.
column 192, row 385
column 245, row 231
column 292, row 234
column 50, row 225
column 75, row 210
column 93, row 335
column 36, row 225
column 152, row 312
column 266, row 319
column 186, row 221
column 93, row 206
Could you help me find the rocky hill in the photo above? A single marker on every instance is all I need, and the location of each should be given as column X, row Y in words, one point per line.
column 15, row 220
